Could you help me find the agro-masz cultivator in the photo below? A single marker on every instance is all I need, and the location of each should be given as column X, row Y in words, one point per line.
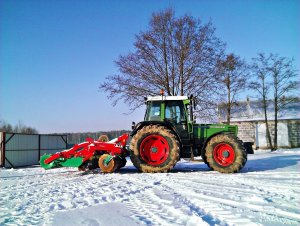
column 167, row 134
column 92, row 154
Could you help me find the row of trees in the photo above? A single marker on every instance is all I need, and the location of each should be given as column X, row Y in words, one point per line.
column 274, row 78
column 73, row 138
column 18, row 128
column 271, row 77
column 184, row 56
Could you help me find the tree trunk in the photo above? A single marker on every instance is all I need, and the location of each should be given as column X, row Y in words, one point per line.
column 229, row 100
column 269, row 134
column 228, row 113
column 275, row 134
column 276, row 120
column 267, row 124
column 166, row 67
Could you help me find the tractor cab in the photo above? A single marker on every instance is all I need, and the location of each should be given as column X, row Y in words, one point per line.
column 175, row 111
column 171, row 109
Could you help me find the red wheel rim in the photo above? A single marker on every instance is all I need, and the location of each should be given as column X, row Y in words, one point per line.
column 224, row 154
column 154, row 149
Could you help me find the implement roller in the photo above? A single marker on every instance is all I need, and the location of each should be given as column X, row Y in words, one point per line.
column 91, row 154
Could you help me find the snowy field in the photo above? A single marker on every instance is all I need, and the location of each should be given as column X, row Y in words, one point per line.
column 266, row 192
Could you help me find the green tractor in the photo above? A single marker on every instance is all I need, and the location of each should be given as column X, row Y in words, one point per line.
column 169, row 133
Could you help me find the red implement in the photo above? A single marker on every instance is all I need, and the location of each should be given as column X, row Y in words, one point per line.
column 87, row 153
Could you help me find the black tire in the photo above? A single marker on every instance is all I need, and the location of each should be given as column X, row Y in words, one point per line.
column 204, row 158
column 123, row 162
column 120, row 162
column 248, row 147
column 169, row 159
column 90, row 164
column 225, row 153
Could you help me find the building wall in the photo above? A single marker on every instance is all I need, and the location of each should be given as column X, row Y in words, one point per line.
column 246, row 131
column 288, row 133
column 294, row 133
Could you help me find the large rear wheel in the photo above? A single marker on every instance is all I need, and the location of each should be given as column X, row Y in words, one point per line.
column 154, row 149
column 225, row 153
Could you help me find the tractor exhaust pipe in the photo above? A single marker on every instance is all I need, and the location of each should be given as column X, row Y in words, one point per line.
column 191, row 108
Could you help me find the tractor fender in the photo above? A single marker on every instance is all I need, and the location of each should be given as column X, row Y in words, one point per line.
column 202, row 151
column 167, row 124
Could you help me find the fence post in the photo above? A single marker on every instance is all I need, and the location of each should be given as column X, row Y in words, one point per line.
column 39, row 152
column 3, row 150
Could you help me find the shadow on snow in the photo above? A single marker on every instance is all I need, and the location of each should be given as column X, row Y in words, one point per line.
column 252, row 165
column 270, row 163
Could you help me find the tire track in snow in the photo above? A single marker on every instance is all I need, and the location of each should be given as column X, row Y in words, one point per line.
column 212, row 213
column 253, row 190
column 46, row 195
column 157, row 207
column 255, row 208
column 164, row 200
column 190, row 190
column 146, row 207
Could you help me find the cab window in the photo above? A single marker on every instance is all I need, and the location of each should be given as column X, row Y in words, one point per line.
column 175, row 112
column 153, row 111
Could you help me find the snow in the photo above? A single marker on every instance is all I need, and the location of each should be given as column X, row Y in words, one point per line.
column 265, row 192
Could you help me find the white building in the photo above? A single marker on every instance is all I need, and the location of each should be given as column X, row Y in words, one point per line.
column 249, row 116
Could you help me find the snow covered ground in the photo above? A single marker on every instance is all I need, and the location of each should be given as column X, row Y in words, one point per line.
column 266, row 192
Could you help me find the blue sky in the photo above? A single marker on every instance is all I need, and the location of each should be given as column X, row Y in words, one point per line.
column 54, row 54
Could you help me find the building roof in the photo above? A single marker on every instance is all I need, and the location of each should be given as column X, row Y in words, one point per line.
column 158, row 98
column 253, row 111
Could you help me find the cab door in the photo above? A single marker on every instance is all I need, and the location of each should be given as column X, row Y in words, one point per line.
column 175, row 113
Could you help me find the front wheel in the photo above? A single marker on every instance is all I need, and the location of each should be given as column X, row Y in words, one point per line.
column 225, row 153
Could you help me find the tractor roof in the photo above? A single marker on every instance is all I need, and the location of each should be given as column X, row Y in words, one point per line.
column 159, row 98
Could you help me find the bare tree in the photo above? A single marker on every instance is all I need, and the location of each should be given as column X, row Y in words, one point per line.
column 6, row 127
column 262, row 86
column 284, row 84
column 233, row 73
column 19, row 128
column 178, row 55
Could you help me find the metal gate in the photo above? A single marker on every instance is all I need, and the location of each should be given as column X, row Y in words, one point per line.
column 25, row 149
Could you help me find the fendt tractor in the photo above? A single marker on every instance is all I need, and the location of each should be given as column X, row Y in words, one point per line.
column 168, row 133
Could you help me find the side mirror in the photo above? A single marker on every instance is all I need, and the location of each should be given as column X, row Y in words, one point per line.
column 133, row 125
column 193, row 101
